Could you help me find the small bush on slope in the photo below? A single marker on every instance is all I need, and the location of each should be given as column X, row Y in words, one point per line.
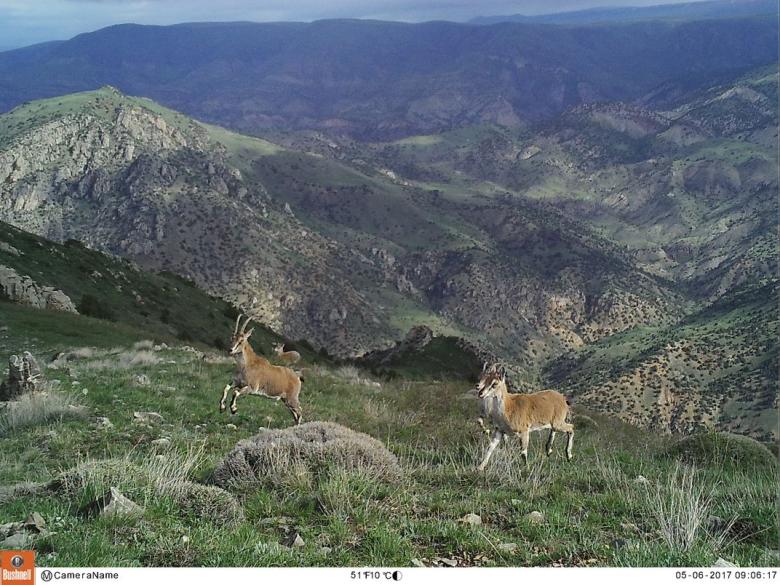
column 314, row 448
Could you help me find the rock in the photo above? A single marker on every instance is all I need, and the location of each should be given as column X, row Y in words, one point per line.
column 25, row 291
column 449, row 562
column 515, row 502
column 9, row 249
column 535, row 517
column 629, row 527
column 185, row 539
column 508, row 547
column 417, row 563
column 142, row 380
column 18, row 540
column 103, row 422
column 231, row 426
column 24, row 375
column 113, row 503
column 641, row 480
column 148, row 417
column 295, row 541
column 20, row 535
column 721, row 562
column 473, row 519
column 35, row 522
column 162, row 442
column 325, row 550
column 716, row 523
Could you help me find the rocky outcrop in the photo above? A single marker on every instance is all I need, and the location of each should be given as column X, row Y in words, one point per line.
column 25, row 291
column 24, row 375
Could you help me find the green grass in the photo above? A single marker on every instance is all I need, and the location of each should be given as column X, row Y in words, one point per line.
column 589, row 504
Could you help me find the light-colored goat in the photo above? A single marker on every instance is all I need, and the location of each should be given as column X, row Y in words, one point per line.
column 521, row 413
column 286, row 357
column 256, row 376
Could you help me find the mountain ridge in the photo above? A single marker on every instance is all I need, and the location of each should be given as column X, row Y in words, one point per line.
column 681, row 11
column 336, row 76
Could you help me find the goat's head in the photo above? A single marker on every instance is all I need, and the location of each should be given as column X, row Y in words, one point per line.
column 279, row 348
column 240, row 335
column 491, row 381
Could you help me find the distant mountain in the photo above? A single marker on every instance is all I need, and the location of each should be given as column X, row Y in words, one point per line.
column 340, row 254
column 690, row 192
column 384, row 80
column 623, row 14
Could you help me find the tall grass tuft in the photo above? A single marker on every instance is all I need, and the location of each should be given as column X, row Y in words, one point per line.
column 36, row 408
column 681, row 506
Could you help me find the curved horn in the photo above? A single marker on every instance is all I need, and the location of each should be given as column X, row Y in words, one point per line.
column 243, row 327
column 235, row 329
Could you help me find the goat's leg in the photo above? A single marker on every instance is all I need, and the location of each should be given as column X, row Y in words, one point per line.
column 569, row 430
column 236, row 393
column 524, row 437
column 550, row 440
column 223, row 401
column 493, row 444
column 295, row 409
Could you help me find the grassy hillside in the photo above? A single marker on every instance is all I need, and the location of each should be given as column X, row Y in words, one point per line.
column 622, row 501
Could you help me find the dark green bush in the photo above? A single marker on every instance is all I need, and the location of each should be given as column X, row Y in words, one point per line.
column 93, row 307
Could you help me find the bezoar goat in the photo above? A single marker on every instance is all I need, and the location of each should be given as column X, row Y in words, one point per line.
column 521, row 414
column 286, row 357
column 256, row 376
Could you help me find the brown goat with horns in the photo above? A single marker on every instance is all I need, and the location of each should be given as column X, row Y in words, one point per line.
column 521, row 413
column 256, row 376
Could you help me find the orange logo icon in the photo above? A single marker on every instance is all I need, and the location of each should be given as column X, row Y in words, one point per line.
column 17, row 567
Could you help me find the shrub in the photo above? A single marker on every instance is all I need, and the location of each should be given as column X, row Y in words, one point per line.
column 313, row 449
column 208, row 501
column 722, row 448
column 92, row 307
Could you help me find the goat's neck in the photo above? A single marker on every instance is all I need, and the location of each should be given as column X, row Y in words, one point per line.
column 246, row 356
column 501, row 395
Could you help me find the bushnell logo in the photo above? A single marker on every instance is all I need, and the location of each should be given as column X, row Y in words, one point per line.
column 17, row 567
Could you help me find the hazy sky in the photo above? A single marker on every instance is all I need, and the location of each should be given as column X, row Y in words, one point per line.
column 24, row 22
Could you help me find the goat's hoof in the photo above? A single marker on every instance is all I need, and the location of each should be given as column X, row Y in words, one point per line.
column 233, row 411
column 221, row 408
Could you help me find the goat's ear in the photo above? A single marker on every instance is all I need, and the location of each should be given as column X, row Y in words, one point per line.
column 484, row 367
column 249, row 333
